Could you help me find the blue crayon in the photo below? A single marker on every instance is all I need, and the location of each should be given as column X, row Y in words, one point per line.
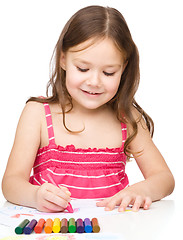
column 80, row 226
column 30, row 227
column 88, row 225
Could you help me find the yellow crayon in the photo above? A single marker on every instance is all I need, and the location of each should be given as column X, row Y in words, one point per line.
column 56, row 225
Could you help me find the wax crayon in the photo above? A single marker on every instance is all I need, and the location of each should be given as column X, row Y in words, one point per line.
column 39, row 226
column 48, row 225
column 64, row 225
column 95, row 225
column 69, row 207
column 80, row 226
column 30, row 226
column 19, row 229
column 72, row 225
column 56, row 225
column 87, row 225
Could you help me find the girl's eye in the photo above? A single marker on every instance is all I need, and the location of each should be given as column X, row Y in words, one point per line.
column 108, row 74
column 82, row 69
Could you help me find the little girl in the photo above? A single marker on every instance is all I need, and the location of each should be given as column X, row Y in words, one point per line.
column 90, row 125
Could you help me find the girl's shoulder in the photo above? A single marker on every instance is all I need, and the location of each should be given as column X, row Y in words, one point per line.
column 34, row 108
column 33, row 113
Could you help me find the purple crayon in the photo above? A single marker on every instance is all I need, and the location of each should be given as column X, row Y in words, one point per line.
column 30, row 227
column 80, row 226
column 88, row 225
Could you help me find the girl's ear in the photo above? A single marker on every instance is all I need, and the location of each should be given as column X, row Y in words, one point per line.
column 62, row 60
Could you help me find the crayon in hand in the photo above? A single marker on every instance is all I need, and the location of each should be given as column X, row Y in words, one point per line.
column 69, row 207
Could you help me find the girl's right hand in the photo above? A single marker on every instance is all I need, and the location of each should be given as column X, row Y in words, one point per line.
column 50, row 198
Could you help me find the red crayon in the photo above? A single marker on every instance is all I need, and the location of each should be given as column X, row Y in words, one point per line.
column 39, row 226
column 69, row 207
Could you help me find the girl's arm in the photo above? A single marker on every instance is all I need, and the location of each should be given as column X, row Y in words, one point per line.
column 159, row 181
column 15, row 185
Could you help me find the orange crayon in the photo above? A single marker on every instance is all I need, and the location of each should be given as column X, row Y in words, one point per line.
column 48, row 225
column 39, row 226
column 95, row 225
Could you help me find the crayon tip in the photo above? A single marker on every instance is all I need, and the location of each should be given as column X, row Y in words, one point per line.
column 69, row 208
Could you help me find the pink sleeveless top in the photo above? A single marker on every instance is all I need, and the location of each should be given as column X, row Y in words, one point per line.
column 88, row 173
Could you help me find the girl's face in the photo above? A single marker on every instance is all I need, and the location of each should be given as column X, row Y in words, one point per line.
column 93, row 72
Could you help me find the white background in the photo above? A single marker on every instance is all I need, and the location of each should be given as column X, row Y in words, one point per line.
column 28, row 34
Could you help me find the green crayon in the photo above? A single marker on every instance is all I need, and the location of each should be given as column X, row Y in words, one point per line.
column 19, row 229
column 72, row 225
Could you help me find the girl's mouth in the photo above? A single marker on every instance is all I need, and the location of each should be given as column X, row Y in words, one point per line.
column 91, row 93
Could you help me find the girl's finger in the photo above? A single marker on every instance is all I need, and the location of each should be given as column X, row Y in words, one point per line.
column 147, row 203
column 59, row 192
column 51, row 207
column 111, row 204
column 55, row 199
column 103, row 203
column 124, row 204
column 66, row 190
column 138, row 203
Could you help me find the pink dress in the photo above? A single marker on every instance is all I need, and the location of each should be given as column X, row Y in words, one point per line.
column 88, row 173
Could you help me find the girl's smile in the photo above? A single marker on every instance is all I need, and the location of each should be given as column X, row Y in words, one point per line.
column 89, row 93
column 93, row 72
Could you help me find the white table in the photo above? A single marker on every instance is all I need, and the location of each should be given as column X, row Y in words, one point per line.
column 162, row 221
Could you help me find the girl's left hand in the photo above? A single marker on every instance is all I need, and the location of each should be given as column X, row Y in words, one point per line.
column 124, row 198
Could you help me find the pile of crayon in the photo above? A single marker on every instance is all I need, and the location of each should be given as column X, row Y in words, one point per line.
column 56, row 226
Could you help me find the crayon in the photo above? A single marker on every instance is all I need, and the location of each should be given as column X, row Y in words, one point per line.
column 80, row 226
column 39, row 226
column 56, row 225
column 64, row 225
column 72, row 225
column 95, row 225
column 87, row 225
column 69, row 207
column 30, row 226
column 19, row 229
column 48, row 225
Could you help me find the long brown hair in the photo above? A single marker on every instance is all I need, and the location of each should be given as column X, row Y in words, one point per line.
column 98, row 22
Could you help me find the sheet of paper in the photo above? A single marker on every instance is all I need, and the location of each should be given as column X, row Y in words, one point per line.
column 11, row 215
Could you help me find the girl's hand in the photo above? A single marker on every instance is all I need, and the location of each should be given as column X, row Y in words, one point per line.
column 124, row 198
column 50, row 198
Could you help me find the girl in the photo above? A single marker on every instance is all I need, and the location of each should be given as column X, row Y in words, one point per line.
column 90, row 125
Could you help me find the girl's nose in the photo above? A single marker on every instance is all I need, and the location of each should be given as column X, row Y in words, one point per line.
column 94, row 80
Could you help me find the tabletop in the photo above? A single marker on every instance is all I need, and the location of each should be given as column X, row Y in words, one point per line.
column 161, row 221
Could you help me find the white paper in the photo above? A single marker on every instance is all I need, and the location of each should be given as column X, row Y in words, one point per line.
column 11, row 215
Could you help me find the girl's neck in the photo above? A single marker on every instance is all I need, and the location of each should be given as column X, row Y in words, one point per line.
column 77, row 109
